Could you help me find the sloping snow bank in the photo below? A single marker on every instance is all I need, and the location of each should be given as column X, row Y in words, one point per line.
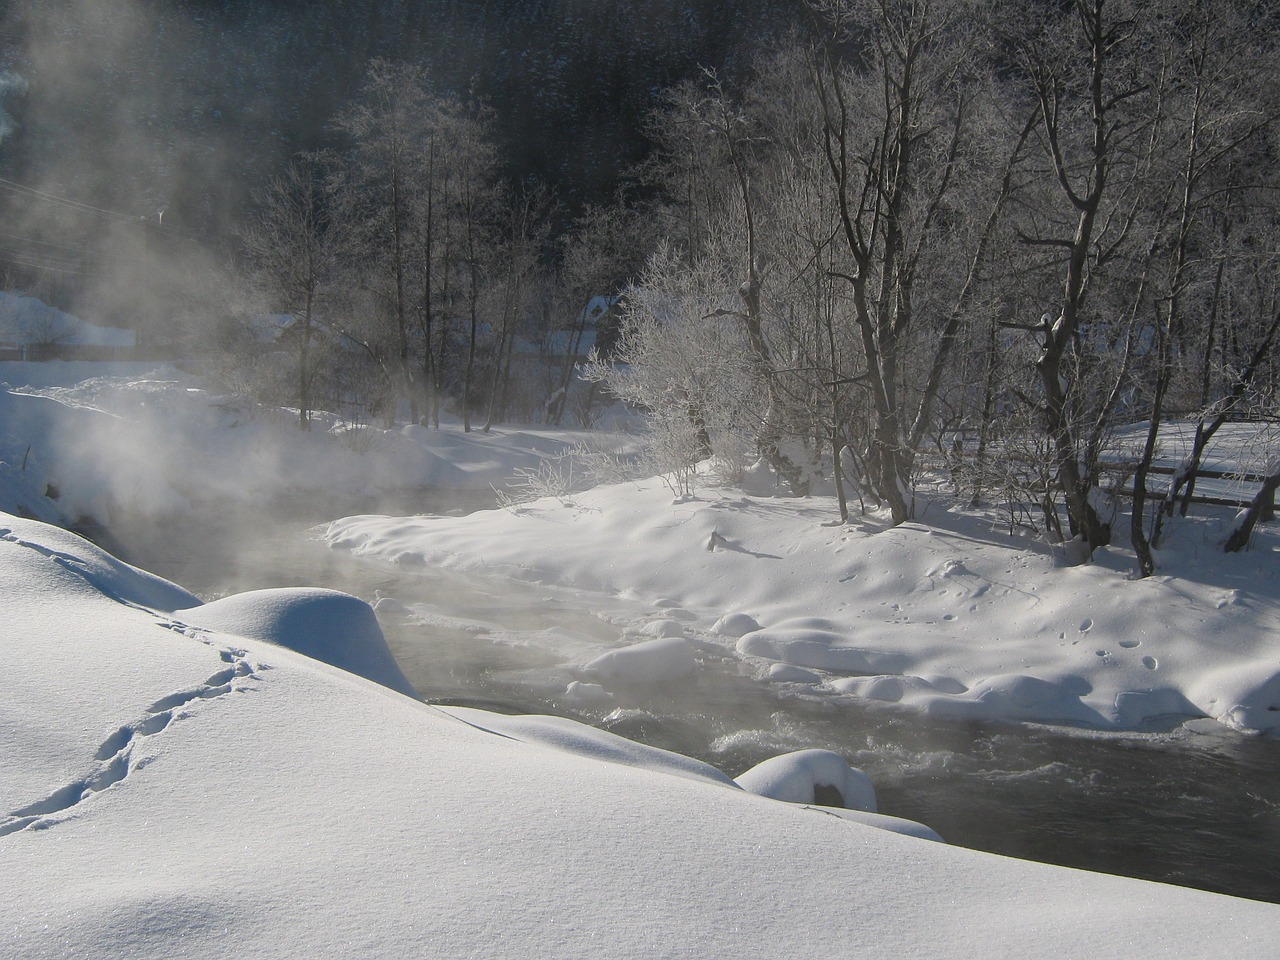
column 955, row 619
column 173, row 792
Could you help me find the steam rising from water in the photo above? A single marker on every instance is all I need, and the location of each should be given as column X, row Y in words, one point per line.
column 11, row 84
column 109, row 133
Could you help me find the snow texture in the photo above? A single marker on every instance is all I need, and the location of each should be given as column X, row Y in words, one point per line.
column 171, row 791
column 955, row 619
column 800, row 777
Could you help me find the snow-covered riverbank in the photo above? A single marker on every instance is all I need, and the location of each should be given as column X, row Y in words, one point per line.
column 949, row 615
column 174, row 785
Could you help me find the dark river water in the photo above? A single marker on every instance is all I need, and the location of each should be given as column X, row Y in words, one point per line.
column 1196, row 809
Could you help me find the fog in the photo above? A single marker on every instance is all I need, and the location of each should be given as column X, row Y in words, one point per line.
column 119, row 194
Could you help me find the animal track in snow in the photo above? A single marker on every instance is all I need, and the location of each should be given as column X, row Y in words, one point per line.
column 114, row 757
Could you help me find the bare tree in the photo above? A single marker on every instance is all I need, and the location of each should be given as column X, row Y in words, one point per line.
column 894, row 115
column 1211, row 77
column 386, row 125
column 1081, row 70
column 292, row 246
column 518, row 266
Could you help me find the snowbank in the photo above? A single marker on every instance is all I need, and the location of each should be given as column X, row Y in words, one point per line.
column 27, row 321
column 650, row 661
column 955, row 619
column 173, row 791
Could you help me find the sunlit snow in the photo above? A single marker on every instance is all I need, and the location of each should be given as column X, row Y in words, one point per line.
column 249, row 776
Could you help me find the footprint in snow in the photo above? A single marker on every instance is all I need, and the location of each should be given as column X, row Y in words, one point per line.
column 114, row 757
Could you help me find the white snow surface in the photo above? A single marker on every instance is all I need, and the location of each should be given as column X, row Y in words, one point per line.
column 326, row 625
column 26, row 320
column 173, row 791
column 794, row 778
column 949, row 615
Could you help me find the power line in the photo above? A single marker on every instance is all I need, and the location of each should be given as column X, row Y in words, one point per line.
column 42, row 257
column 69, row 203
column 18, row 262
column 44, row 243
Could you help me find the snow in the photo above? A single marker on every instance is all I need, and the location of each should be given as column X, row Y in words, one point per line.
column 650, row 661
column 324, row 624
column 251, row 777
column 796, row 778
column 171, row 790
column 949, row 617
column 25, row 321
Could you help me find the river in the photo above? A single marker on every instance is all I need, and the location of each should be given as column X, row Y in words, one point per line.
column 1194, row 809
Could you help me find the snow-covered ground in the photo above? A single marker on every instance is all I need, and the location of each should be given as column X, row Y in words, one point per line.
column 949, row 614
column 180, row 780
column 946, row 615
column 26, row 322
column 176, row 781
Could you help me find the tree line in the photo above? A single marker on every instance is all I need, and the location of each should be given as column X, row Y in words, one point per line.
column 412, row 275
column 924, row 231
column 937, row 231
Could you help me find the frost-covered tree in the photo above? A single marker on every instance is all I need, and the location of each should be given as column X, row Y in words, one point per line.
column 385, row 125
column 682, row 358
column 292, row 246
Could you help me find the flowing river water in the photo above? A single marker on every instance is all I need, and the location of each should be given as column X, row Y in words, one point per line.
column 1196, row 809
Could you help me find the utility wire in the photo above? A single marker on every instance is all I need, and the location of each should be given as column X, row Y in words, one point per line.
column 36, row 259
column 44, row 243
column 47, row 266
column 66, row 202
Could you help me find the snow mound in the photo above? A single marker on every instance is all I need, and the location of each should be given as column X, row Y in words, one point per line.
column 663, row 628
column 890, row 689
column 818, row 649
column 785, row 673
column 1245, row 697
column 336, row 628
column 734, row 625
column 1016, row 696
column 95, row 569
column 586, row 741
column 650, row 661
column 1009, row 696
column 586, row 694
column 800, row 777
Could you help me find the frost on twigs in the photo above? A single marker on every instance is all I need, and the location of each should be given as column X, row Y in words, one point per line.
column 551, row 478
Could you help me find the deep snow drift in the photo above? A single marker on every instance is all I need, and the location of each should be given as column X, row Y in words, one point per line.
column 171, row 790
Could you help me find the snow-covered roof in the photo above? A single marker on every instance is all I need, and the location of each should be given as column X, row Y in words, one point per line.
column 26, row 320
